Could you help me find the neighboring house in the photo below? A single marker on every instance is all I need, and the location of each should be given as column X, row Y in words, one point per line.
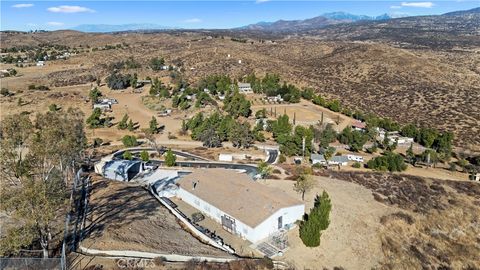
column 121, row 170
column 242, row 206
column 474, row 176
column 276, row 98
column 360, row 126
column 109, row 101
column 40, row 63
column 102, row 106
column 338, row 160
column 355, row 158
column 245, row 88
column 318, row 159
column 393, row 136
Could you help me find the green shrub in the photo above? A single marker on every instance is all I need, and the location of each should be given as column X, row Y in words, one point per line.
column 356, row 165
column 144, row 156
column 127, row 155
column 170, row 158
column 129, row 141
column 390, row 161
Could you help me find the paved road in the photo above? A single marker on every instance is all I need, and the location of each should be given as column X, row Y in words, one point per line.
column 119, row 153
column 272, row 155
column 197, row 162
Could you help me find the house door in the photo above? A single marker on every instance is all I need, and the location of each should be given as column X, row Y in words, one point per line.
column 280, row 222
column 228, row 224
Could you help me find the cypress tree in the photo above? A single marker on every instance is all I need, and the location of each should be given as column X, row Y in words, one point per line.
column 318, row 220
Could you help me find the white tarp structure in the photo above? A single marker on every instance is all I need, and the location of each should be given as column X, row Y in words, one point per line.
column 225, row 157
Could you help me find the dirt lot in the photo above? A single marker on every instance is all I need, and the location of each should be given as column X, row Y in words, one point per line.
column 391, row 221
column 126, row 217
column 306, row 113
column 353, row 231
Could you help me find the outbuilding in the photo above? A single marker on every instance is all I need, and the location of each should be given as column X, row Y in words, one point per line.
column 355, row 158
column 245, row 88
column 242, row 206
column 318, row 159
column 225, row 157
column 338, row 160
column 121, row 170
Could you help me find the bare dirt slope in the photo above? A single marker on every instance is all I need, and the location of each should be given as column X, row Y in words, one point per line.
column 353, row 230
column 436, row 226
column 391, row 221
column 124, row 216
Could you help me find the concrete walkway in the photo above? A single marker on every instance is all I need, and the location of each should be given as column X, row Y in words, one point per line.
column 150, row 255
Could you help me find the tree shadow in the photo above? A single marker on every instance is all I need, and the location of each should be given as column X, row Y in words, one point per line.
column 121, row 206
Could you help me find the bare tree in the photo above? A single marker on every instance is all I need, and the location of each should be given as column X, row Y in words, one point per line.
column 304, row 184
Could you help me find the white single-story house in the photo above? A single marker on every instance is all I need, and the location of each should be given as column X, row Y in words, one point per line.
column 355, row 158
column 318, row 159
column 242, row 206
column 394, row 136
column 338, row 160
column 121, row 170
column 40, row 63
column 245, row 88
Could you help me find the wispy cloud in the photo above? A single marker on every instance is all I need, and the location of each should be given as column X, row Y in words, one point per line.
column 193, row 20
column 395, row 7
column 70, row 9
column 22, row 5
column 417, row 4
column 261, row 1
column 55, row 23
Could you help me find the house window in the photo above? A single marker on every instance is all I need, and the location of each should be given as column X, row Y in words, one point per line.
column 207, row 208
column 245, row 231
column 197, row 202
column 280, row 222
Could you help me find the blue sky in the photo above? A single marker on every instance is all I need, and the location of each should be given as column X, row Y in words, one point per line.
column 53, row 15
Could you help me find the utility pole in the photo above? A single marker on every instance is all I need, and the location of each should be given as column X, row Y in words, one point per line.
column 303, row 148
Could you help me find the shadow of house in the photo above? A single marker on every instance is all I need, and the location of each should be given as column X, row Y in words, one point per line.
column 116, row 206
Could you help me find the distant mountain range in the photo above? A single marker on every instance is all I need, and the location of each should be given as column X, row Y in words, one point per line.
column 313, row 23
column 330, row 24
column 106, row 28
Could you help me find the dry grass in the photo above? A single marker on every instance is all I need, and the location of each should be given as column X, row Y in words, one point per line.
column 439, row 226
column 431, row 88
